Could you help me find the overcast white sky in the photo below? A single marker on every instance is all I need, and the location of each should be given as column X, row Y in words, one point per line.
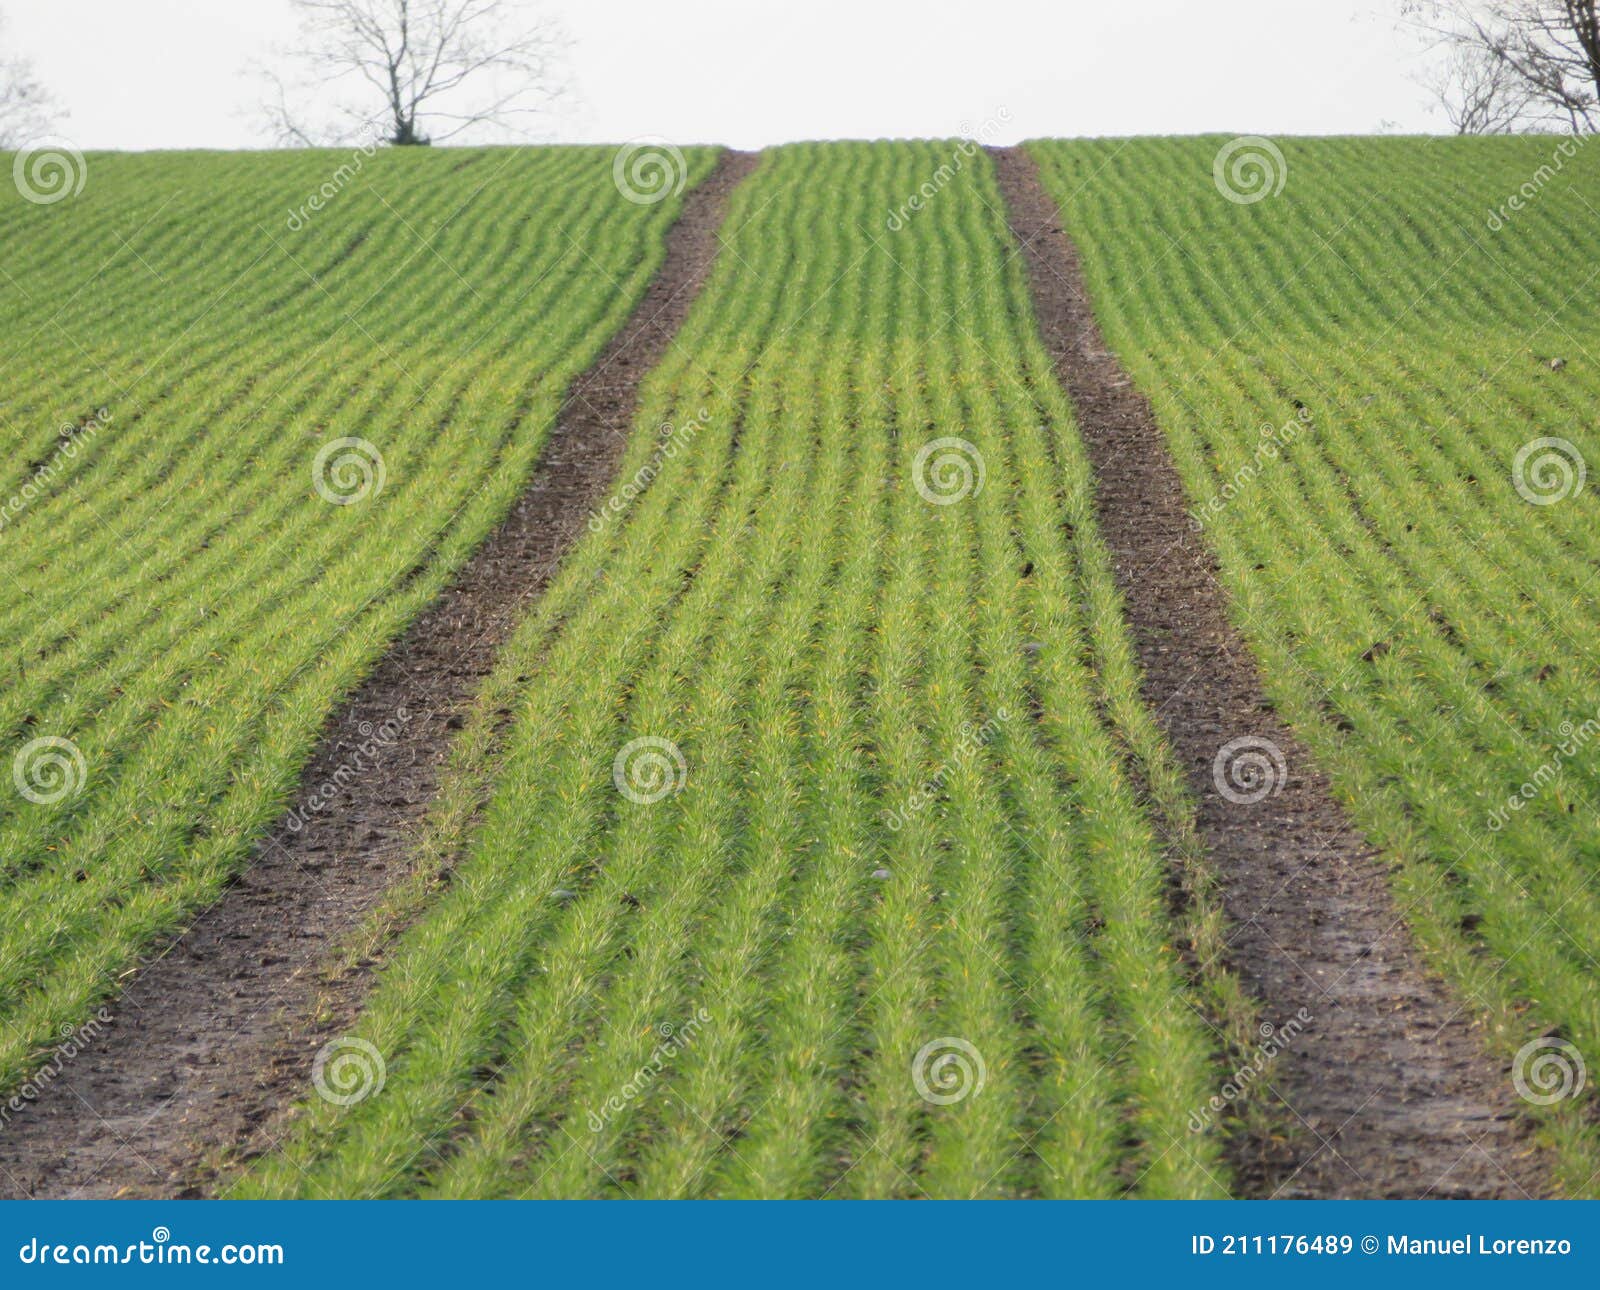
column 170, row 73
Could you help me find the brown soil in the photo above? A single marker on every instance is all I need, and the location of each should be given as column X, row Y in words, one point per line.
column 1389, row 1090
column 221, row 1030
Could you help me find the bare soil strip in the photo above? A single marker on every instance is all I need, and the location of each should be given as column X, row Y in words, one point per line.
column 218, row 1033
column 1388, row 1091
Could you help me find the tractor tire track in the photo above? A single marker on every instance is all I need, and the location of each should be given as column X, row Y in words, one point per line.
column 1388, row 1091
column 220, row 1031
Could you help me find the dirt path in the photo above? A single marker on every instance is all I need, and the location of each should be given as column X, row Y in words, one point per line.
column 1388, row 1088
column 218, row 1033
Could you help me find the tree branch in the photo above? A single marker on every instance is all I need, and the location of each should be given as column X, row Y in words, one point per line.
column 437, row 67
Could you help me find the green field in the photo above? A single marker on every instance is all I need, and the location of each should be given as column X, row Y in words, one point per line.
column 181, row 604
column 811, row 837
column 818, row 642
column 1425, row 608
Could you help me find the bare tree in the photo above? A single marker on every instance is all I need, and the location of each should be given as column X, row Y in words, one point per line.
column 26, row 108
column 415, row 71
column 1479, row 93
column 1538, row 57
